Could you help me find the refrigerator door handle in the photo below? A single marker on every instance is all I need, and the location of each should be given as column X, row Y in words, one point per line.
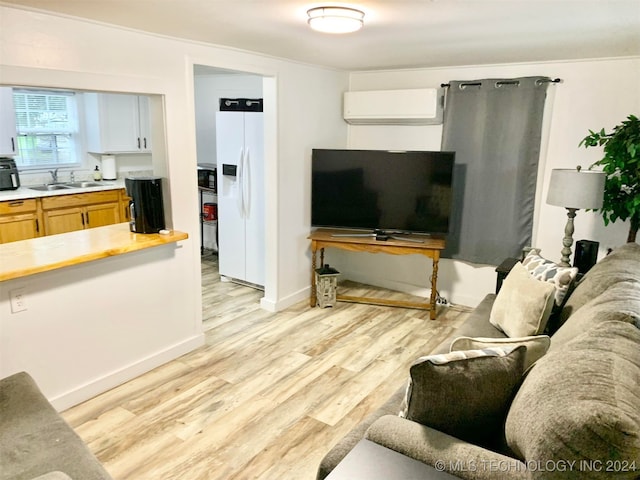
column 246, row 184
column 238, row 186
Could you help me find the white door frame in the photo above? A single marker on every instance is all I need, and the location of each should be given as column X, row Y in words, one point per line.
column 271, row 186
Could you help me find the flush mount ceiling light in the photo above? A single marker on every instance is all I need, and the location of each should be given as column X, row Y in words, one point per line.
column 335, row 19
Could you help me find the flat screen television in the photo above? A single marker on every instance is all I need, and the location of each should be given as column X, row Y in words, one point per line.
column 382, row 191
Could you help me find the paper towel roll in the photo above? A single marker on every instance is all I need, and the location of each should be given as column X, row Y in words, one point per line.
column 109, row 167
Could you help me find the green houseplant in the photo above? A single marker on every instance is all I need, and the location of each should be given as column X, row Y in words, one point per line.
column 621, row 163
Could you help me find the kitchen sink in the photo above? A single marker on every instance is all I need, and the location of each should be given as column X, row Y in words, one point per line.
column 66, row 186
column 83, row 184
column 49, row 188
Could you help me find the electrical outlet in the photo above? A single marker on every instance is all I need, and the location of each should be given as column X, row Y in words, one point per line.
column 442, row 301
column 18, row 300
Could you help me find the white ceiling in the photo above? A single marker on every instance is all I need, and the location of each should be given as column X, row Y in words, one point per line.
column 397, row 33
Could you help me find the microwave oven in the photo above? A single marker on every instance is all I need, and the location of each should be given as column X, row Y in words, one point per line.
column 207, row 176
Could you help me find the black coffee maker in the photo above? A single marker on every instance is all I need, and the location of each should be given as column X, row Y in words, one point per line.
column 146, row 206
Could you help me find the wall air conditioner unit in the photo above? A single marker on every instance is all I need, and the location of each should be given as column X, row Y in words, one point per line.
column 418, row 106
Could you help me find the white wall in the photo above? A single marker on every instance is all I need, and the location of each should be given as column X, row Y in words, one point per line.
column 209, row 88
column 126, row 164
column 149, row 306
column 594, row 94
column 95, row 325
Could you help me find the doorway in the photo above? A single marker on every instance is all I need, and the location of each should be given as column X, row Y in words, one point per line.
column 210, row 85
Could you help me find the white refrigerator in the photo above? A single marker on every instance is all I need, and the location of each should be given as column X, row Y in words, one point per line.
column 240, row 167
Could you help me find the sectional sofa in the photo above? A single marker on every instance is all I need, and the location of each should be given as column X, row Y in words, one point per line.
column 573, row 413
column 35, row 441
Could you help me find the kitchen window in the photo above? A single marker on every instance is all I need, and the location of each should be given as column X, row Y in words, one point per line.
column 47, row 128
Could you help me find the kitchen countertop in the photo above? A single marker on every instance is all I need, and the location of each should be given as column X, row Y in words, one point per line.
column 25, row 192
column 42, row 254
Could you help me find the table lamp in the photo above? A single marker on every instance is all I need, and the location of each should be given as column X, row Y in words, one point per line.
column 574, row 189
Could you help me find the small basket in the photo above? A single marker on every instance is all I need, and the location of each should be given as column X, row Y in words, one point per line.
column 326, row 284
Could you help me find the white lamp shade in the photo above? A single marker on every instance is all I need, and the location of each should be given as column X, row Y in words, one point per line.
column 335, row 19
column 571, row 188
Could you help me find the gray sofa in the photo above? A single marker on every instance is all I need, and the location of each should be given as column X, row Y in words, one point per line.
column 35, row 441
column 576, row 413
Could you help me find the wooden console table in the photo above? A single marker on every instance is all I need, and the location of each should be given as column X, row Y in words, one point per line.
column 430, row 247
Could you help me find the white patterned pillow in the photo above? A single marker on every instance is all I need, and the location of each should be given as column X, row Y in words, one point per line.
column 537, row 345
column 546, row 271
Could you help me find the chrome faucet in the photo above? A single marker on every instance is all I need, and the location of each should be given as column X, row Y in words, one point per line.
column 54, row 175
column 72, row 176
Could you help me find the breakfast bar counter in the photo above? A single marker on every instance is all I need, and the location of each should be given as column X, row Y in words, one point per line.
column 27, row 257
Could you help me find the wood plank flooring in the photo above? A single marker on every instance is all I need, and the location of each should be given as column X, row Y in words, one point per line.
column 267, row 396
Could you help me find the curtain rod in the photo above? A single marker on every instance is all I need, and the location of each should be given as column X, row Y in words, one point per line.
column 504, row 82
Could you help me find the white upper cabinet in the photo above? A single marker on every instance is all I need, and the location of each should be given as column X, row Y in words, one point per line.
column 145, row 123
column 8, row 140
column 117, row 123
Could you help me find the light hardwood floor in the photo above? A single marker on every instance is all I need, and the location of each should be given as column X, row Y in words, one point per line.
column 269, row 393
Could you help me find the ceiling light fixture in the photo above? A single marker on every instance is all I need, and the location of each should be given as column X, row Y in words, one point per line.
column 335, row 19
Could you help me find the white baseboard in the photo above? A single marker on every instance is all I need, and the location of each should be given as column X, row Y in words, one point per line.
column 124, row 374
column 467, row 300
column 286, row 302
column 268, row 305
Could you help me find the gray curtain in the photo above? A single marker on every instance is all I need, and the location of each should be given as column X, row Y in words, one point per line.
column 494, row 126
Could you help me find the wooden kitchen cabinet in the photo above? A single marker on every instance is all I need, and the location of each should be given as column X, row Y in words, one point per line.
column 102, row 214
column 36, row 217
column 20, row 220
column 117, row 123
column 62, row 220
column 67, row 213
column 125, row 212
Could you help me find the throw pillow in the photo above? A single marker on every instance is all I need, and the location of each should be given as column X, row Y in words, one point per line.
column 523, row 305
column 546, row 271
column 536, row 345
column 465, row 394
column 579, row 405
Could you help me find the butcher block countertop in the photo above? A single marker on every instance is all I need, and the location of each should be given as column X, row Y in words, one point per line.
column 27, row 257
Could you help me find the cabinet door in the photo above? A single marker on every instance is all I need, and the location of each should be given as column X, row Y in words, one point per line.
column 112, row 122
column 102, row 214
column 145, row 123
column 121, row 122
column 8, row 145
column 18, row 227
column 64, row 220
column 125, row 211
